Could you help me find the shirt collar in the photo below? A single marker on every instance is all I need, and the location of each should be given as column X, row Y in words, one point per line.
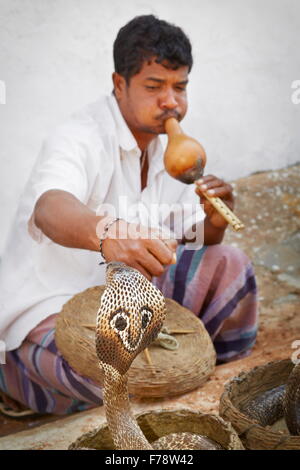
column 125, row 136
column 155, row 155
column 128, row 143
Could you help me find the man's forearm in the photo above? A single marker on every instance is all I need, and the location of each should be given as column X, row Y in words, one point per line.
column 212, row 234
column 66, row 221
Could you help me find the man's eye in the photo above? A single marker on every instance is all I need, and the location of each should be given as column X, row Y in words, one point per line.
column 179, row 88
column 152, row 87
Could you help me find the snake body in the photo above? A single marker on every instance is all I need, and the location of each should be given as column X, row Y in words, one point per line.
column 291, row 401
column 130, row 317
column 279, row 402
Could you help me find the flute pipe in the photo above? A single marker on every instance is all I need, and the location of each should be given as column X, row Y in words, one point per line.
column 227, row 213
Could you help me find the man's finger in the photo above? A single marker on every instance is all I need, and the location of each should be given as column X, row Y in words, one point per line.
column 142, row 270
column 216, row 183
column 161, row 251
column 151, row 263
column 172, row 244
column 221, row 192
column 204, row 179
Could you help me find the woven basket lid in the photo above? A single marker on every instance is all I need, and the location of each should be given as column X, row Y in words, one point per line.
column 173, row 373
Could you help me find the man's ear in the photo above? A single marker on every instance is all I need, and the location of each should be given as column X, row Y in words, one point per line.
column 119, row 85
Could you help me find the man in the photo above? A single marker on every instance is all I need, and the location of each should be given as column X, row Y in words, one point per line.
column 94, row 185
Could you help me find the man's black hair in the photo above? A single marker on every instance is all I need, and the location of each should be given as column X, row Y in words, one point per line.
column 146, row 37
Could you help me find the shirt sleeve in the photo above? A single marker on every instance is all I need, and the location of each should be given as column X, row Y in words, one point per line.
column 65, row 163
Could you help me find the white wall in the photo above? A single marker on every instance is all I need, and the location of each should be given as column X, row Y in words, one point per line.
column 56, row 55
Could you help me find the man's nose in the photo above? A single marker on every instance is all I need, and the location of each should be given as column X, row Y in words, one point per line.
column 168, row 100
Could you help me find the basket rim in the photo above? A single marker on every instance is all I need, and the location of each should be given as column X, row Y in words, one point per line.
column 234, row 442
column 230, row 412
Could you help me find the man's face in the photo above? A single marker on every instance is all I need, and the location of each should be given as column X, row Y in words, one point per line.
column 153, row 95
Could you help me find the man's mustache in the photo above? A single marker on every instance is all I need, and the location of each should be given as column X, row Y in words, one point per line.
column 167, row 115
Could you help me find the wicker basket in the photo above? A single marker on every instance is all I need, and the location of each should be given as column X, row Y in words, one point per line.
column 156, row 424
column 174, row 372
column 244, row 388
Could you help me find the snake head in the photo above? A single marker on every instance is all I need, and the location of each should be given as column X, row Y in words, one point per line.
column 131, row 314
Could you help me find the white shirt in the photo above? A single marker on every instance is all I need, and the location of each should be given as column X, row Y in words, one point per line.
column 95, row 157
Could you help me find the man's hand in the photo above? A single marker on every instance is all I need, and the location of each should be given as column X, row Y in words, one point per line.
column 68, row 222
column 147, row 250
column 214, row 186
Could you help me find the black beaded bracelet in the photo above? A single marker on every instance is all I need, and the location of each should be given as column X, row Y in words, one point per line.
column 105, row 230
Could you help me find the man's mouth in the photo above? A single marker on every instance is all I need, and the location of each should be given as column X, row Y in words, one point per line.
column 163, row 117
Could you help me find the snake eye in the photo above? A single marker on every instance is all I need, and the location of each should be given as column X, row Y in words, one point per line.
column 146, row 313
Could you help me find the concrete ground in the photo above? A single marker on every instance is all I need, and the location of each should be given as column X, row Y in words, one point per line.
column 269, row 205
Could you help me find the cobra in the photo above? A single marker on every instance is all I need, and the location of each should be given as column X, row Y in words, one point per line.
column 282, row 401
column 131, row 314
